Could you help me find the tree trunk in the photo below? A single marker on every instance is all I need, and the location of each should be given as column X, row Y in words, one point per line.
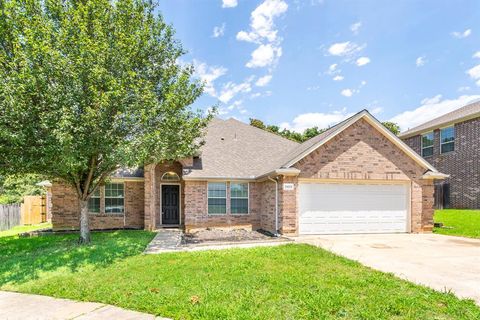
column 84, row 226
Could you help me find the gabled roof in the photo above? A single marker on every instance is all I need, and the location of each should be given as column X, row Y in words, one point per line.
column 236, row 150
column 313, row 144
column 467, row 112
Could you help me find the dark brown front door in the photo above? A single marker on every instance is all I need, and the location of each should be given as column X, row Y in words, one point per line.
column 170, row 204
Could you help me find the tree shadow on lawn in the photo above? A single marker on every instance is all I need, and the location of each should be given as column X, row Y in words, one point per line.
column 23, row 259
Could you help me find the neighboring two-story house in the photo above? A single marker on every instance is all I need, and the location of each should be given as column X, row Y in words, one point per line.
column 451, row 143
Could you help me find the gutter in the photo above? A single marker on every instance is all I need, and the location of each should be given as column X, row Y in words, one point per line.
column 276, row 204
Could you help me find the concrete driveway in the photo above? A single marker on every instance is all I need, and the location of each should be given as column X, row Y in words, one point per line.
column 437, row 261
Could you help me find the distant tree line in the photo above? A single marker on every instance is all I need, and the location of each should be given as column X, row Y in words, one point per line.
column 309, row 132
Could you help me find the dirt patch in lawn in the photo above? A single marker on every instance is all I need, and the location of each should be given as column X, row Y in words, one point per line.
column 208, row 236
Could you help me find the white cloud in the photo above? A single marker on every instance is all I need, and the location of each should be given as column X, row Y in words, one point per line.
column 420, row 61
column 376, row 110
column 208, row 74
column 231, row 89
column 474, row 73
column 347, row 92
column 463, row 89
column 355, row 28
column 461, row 35
column 263, row 32
column 318, row 119
column 477, row 55
column 263, row 81
column 261, row 22
column 363, row 61
column 345, row 48
column 432, row 100
column 219, row 31
column 229, row 3
column 338, row 78
column 429, row 109
column 333, row 69
column 264, row 55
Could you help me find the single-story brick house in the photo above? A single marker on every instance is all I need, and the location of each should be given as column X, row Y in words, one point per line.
column 357, row 177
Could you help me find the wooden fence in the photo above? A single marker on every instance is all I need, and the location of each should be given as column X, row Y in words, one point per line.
column 10, row 216
column 34, row 210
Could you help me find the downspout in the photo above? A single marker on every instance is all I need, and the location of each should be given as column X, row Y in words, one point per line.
column 276, row 205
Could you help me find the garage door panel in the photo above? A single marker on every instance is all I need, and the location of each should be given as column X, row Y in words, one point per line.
column 349, row 208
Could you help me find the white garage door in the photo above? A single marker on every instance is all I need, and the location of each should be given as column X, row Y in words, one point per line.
column 352, row 208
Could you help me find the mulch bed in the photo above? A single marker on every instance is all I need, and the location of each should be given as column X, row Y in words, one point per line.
column 234, row 235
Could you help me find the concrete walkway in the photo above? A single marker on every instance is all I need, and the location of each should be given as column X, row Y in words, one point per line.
column 170, row 240
column 166, row 240
column 440, row 262
column 21, row 306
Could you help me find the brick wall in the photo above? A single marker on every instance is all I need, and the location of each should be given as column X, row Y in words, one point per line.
column 462, row 164
column 360, row 152
column 66, row 209
column 196, row 208
column 267, row 205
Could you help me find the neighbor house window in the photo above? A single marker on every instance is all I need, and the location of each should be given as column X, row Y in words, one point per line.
column 94, row 202
column 427, row 144
column 114, row 198
column 217, row 198
column 238, row 198
column 447, row 139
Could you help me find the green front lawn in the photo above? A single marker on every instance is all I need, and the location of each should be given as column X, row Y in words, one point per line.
column 286, row 282
column 465, row 223
column 21, row 229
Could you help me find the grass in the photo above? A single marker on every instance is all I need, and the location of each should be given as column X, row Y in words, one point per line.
column 285, row 282
column 21, row 229
column 465, row 223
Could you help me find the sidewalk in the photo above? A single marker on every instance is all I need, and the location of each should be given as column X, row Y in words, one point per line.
column 15, row 306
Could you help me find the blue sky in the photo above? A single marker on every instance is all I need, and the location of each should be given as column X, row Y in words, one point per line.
column 303, row 63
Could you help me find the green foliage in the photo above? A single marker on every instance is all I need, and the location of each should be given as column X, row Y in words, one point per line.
column 292, row 135
column 89, row 86
column 283, row 282
column 392, row 126
column 458, row 222
column 14, row 187
column 309, row 132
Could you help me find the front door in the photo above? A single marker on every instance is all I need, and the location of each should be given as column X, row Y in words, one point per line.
column 170, row 204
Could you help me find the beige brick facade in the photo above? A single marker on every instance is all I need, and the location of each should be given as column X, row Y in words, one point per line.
column 66, row 209
column 359, row 153
column 362, row 153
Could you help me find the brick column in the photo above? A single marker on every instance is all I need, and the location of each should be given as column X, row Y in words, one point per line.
column 288, row 206
column 428, row 190
column 150, row 196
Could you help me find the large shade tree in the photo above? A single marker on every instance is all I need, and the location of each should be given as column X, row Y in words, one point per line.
column 88, row 86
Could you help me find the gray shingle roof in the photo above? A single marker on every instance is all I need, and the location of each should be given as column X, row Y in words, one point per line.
column 128, row 173
column 234, row 149
column 469, row 111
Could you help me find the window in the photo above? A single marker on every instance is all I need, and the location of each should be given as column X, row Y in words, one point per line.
column 94, row 202
column 239, row 198
column 427, row 144
column 170, row 176
column 217, row 198
column 447, row 139
column 114, row 198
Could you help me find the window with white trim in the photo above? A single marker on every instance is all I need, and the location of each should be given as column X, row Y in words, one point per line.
column 238, row 198
column 447, row 139
column 427, row 144
column 217, row 198
column 114, row 198
column 94, row 202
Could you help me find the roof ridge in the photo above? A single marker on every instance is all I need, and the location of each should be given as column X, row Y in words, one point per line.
column 262, row 130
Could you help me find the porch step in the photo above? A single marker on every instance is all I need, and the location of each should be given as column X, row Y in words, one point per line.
column 165, row 240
